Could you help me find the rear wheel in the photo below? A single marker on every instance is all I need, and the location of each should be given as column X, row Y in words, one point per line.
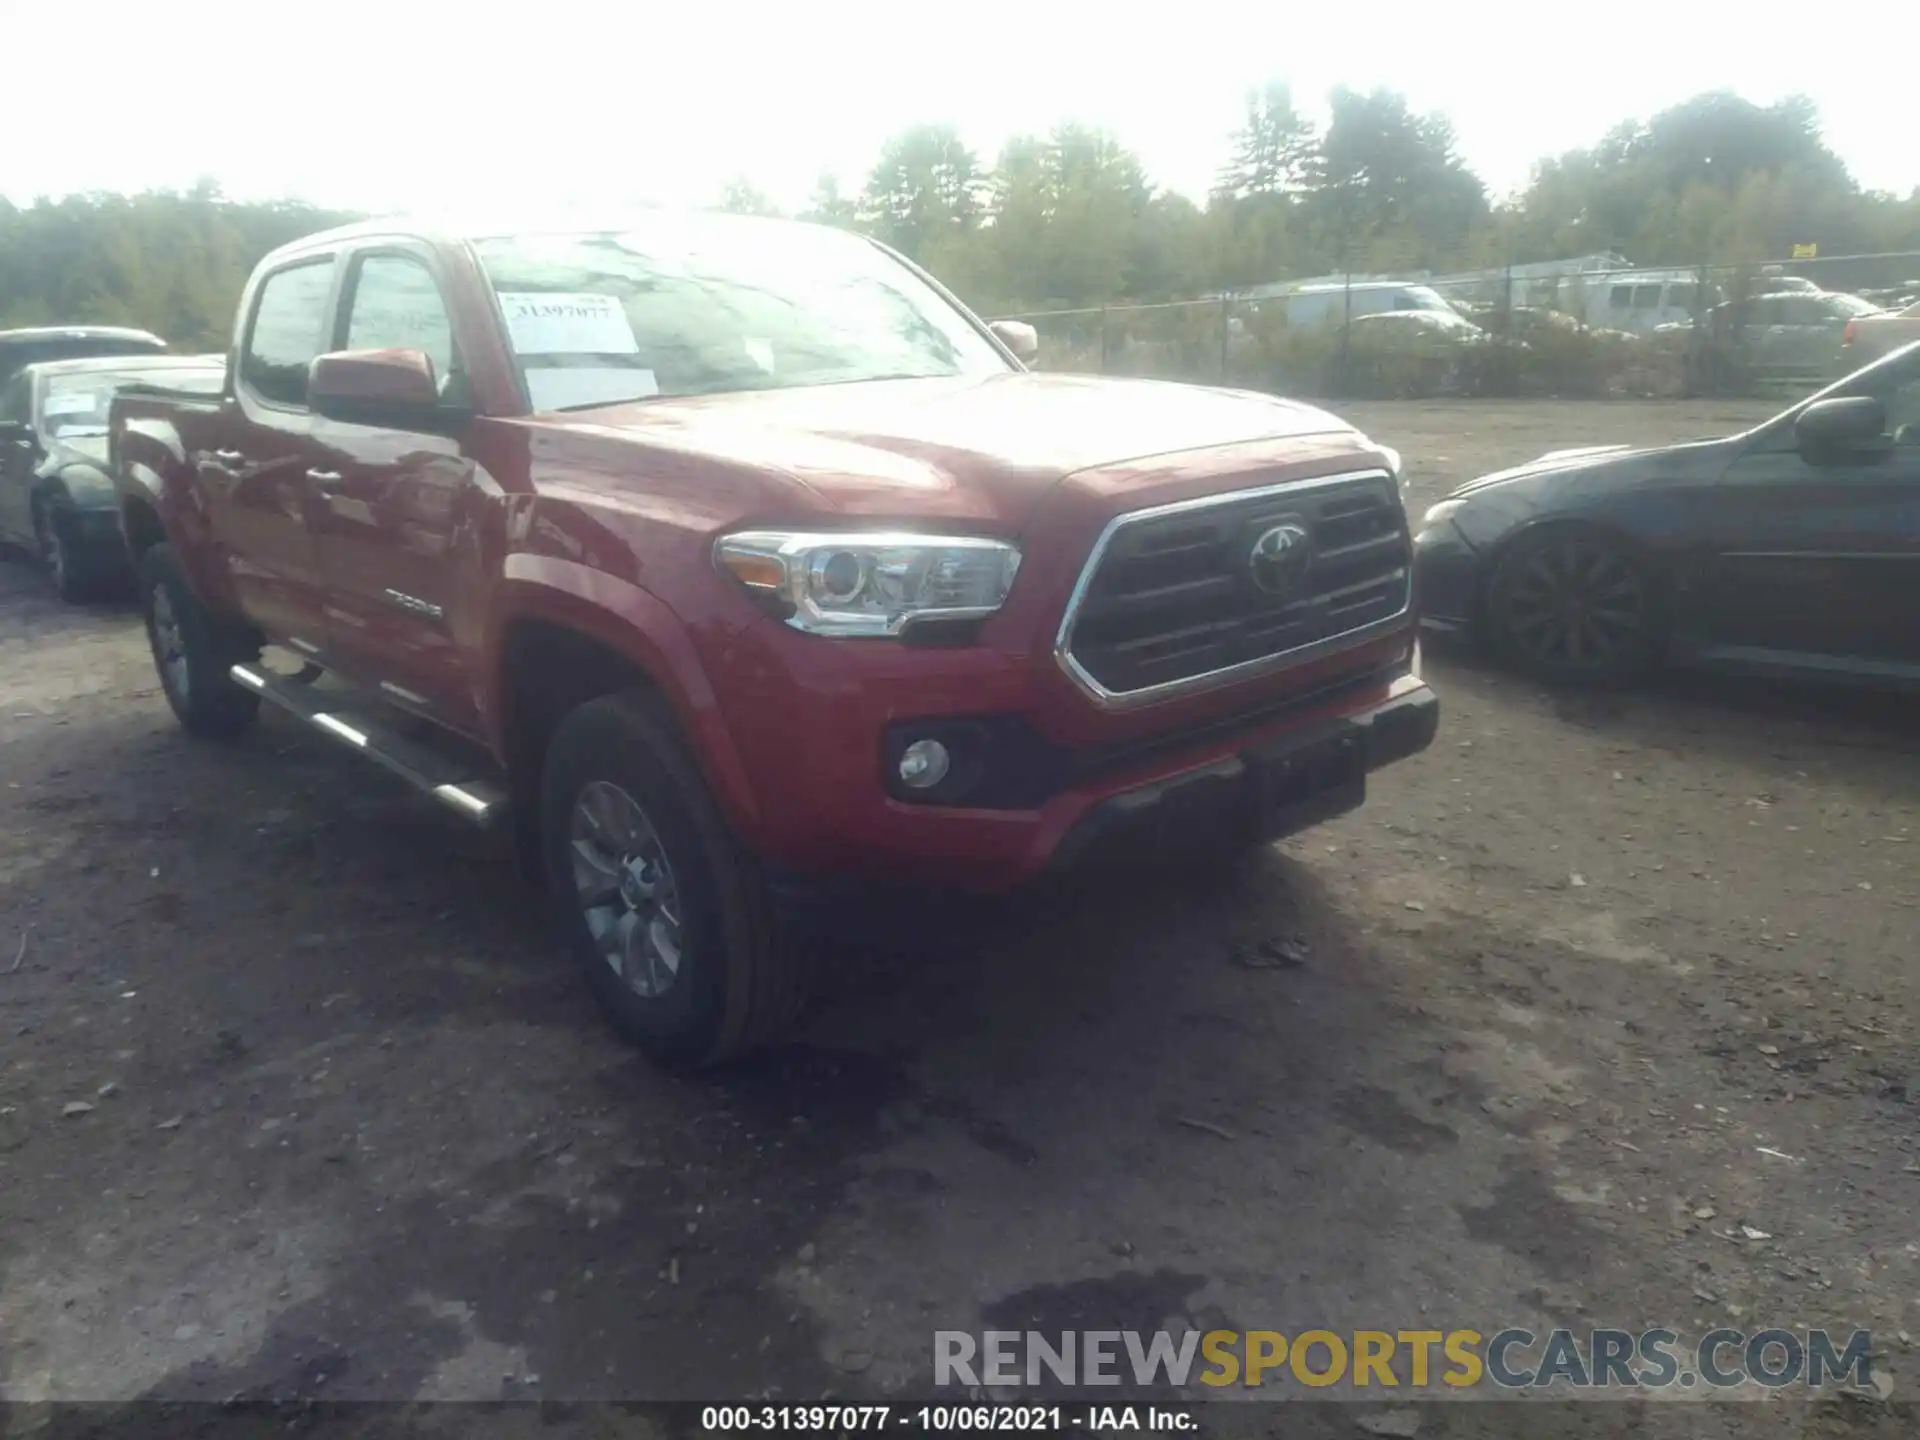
column 1576, row 606
column 668, row 918
column 193, row 651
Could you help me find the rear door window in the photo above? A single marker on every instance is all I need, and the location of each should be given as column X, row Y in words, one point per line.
column 289, row 328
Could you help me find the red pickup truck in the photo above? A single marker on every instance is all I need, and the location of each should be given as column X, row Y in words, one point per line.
column 720, row 555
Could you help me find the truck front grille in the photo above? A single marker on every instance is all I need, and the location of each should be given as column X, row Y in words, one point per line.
column 1175, row 597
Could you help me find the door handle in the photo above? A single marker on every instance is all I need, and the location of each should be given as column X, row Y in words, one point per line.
column 325, row 479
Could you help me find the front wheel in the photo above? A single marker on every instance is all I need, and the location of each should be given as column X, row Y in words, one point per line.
column 668, row 918
column 68, row 579
column 1574, row 606
column 193, row 651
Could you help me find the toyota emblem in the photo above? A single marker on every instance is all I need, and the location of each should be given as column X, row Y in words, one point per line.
column 1280, row 557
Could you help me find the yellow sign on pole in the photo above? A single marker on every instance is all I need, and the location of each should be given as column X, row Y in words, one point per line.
column 1806, row 252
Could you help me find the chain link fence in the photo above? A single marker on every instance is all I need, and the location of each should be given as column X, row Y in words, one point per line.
column 1581, row 329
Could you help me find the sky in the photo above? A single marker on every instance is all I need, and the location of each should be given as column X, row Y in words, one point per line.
column 405, row 105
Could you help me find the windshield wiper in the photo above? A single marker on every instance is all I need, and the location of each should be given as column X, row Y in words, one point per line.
column 604, row 404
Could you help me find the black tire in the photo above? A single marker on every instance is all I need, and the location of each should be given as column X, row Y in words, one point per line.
column 72, row 583
column 193, row 650
column 739, row 978
column 1573, row 605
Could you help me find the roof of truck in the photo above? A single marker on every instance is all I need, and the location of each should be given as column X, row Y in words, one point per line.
column 456, row 227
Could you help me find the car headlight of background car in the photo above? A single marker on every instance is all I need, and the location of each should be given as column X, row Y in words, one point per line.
column 870, row 583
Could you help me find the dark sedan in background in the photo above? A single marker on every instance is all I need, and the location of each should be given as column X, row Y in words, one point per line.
column 55, row 497
column 1793, row 547
column 31, row 346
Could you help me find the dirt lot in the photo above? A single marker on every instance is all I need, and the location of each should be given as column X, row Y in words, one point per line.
column 1587, row 989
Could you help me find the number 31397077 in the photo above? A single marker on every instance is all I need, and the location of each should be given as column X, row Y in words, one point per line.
column 844, row 1419
column 835, row 1419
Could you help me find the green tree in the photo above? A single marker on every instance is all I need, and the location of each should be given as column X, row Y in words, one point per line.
column 1392, row 189
column 827, row 206
column 1703, row 180
column 741, row 197
column 171, row 262
column 1275, row 151
column 926, row 182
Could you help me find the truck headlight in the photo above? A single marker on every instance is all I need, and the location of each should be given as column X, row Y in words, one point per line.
column 1441, row 513
column 870, row 583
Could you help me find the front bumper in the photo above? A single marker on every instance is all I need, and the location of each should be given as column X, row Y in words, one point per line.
column 1269, row 772
column 93, row 538
column 1446, row 578
column 1272, row 789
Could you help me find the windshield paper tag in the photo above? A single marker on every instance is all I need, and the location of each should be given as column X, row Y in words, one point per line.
column 567, row 324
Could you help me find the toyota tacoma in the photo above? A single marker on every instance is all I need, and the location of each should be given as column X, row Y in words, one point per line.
column 719, row 556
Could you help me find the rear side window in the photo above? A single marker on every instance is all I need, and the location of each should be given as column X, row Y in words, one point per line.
column 1646, row 297
column 288, row 331
column 1620, row 297
column 1680, row 297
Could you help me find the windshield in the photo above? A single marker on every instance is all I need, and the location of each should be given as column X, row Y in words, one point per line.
column 1851, row 305
column 713, row 305
column 77, row 404
column 1894, row 380
column 1422, row 298
column 1448, row 319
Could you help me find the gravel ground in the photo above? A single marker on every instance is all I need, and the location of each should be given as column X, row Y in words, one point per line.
column 1592, row 993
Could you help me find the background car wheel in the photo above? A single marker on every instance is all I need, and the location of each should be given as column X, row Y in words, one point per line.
column 69, row 581
column 669, row 920
column 193, row 651
column 1576, row 606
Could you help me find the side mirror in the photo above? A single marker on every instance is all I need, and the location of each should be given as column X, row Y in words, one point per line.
column 1019, row 337
column 377, row 387
column 1842, row 426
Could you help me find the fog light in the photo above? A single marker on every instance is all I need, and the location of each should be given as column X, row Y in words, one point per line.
column 924, row 764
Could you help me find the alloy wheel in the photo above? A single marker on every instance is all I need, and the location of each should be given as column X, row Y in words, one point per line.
column 1576, row 604
column 624, row 884
column 169, row 642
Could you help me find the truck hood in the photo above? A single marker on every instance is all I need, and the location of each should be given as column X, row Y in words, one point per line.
column 984, row 448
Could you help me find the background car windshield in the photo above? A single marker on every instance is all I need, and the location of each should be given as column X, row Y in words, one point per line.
column 77, row 404
column 1424, row 299
column 716, row 306
column 1851, row 305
